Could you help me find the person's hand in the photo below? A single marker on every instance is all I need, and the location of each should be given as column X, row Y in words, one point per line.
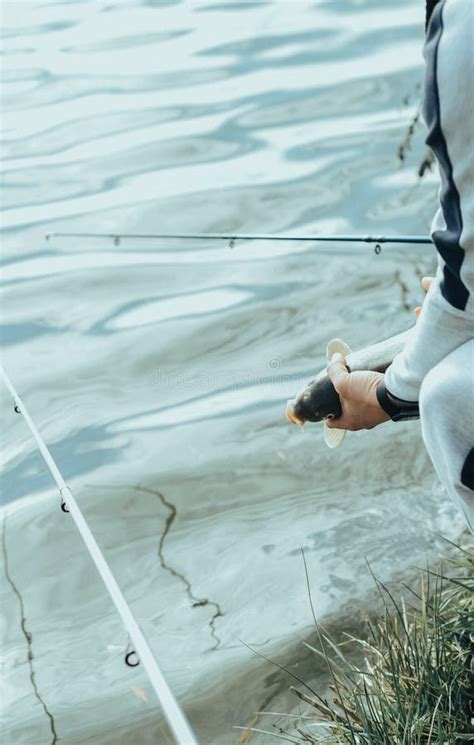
column 357, row 390
column 425, row 283
column 360, row 408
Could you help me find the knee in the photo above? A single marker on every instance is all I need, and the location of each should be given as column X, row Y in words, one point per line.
column 443, row 418
column 432, row 395
column 440, row 416
column 446, row 391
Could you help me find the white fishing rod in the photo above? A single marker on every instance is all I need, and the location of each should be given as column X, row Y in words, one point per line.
column 176, row 719
column 232, row 237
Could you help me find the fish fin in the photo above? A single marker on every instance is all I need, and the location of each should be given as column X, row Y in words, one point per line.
column 337, row 345
column 333, row 436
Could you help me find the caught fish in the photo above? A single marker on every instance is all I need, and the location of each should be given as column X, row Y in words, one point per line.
column 320, row 401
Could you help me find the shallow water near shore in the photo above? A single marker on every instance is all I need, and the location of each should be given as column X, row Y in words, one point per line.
column 158, row 371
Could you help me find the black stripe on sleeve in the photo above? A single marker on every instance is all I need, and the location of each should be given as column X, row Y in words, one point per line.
column 446, row 241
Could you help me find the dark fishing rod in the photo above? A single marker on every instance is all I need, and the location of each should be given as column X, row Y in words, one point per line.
column 232, row 237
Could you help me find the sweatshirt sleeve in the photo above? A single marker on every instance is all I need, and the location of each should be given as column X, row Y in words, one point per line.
column 447, row 319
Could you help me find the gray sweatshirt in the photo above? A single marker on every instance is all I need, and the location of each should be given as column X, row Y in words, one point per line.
column 447, row 320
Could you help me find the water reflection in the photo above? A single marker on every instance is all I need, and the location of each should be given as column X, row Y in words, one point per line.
column 166, row 365
column 181, row 306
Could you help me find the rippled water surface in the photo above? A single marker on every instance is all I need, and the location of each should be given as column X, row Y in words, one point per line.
column 158, row 370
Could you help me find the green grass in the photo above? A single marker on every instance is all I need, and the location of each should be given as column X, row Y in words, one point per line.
column 413, row 686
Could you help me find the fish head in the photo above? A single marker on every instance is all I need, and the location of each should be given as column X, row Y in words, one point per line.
column 298, row 411
column 317, row 402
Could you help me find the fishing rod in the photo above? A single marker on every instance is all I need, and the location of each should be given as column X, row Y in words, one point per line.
column 232, row 237
column 173, row 713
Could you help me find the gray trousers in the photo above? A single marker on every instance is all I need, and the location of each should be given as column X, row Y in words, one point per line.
column 447, row 422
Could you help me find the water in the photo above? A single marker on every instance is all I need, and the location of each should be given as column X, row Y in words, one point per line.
column 158, row 371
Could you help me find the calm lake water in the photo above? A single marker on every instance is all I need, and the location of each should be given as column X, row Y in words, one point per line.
column 158, row 371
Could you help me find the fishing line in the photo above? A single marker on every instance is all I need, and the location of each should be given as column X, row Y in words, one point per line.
column 171, row 709
column 232, row 237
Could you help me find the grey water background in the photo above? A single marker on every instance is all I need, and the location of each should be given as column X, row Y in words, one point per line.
column 158, row 371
